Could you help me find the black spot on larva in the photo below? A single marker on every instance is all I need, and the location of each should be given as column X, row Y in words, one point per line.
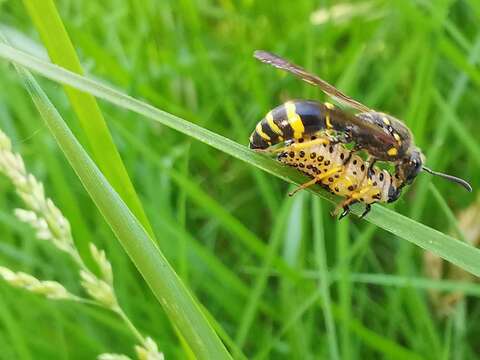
column 324, row 145
column 336, row 189
column 313, row 137
column 374, row 183
column 300, row 140
column 301, row 153
column 350, row 188
column 309, row 166
column 320, row 158
column 337, row 176
column 362, row 199
column 312, row 155
column 362, row 167
column 327, row 162
column 354, row 162
column 282, row 155
column 330, row 179
column 342, row 156
column 291, row 154
column 397, row 176
column 330, row 149
column 315, row 170
column 301, row 165
column 381, row 176
column 354, row 173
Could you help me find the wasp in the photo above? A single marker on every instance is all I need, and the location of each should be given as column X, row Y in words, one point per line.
column 381, row 136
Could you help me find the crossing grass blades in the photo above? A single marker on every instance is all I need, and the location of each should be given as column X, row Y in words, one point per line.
column 324, row 142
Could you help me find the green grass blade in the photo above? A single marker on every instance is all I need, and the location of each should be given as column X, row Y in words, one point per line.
column 377, row 341
column 447, row 211
column 251, row 308
column 324, row 278
column 181, row 307
column 60, row 49
column 451, row 249
column 463, row 134
column 344, row 289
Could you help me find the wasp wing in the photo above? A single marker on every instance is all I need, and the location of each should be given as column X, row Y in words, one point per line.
column 330, row 90
column 366, row 126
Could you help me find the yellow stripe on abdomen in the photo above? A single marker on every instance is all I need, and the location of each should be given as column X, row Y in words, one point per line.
column 294, row 120
column 274, row 127
column 327, row 115
column 272, row 124
column 260, row 132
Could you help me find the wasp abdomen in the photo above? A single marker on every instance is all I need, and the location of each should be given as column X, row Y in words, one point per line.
column 291, row 120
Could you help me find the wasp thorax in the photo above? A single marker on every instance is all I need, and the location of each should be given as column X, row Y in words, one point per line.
column 382, row 136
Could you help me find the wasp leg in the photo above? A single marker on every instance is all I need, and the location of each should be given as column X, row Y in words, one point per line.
column 316, row 179
column 348, row 158
column 372, row 162
column 368, row 207
column 353, row 198
column 345, row 205
column 346, row 211
column 299, row 146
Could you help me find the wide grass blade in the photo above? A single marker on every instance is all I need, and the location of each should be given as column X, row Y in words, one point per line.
column 451, row 249
column 60, row 49
column 181, row 307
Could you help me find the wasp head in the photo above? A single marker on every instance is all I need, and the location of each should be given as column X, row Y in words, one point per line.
column 411, row 166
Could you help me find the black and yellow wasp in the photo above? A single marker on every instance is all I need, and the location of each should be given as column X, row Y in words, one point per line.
column 304, row 125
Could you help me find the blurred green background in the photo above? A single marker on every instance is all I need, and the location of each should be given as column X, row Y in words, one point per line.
column 413, row 59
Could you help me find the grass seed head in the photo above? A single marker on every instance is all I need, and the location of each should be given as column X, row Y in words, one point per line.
column 103, row 263
column 49, row 289
column 99, row 290
column 149, row 350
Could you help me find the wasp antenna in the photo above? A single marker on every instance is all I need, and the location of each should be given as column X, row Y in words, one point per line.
column 451, row 178
column 272, row 59
column 259, row 53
